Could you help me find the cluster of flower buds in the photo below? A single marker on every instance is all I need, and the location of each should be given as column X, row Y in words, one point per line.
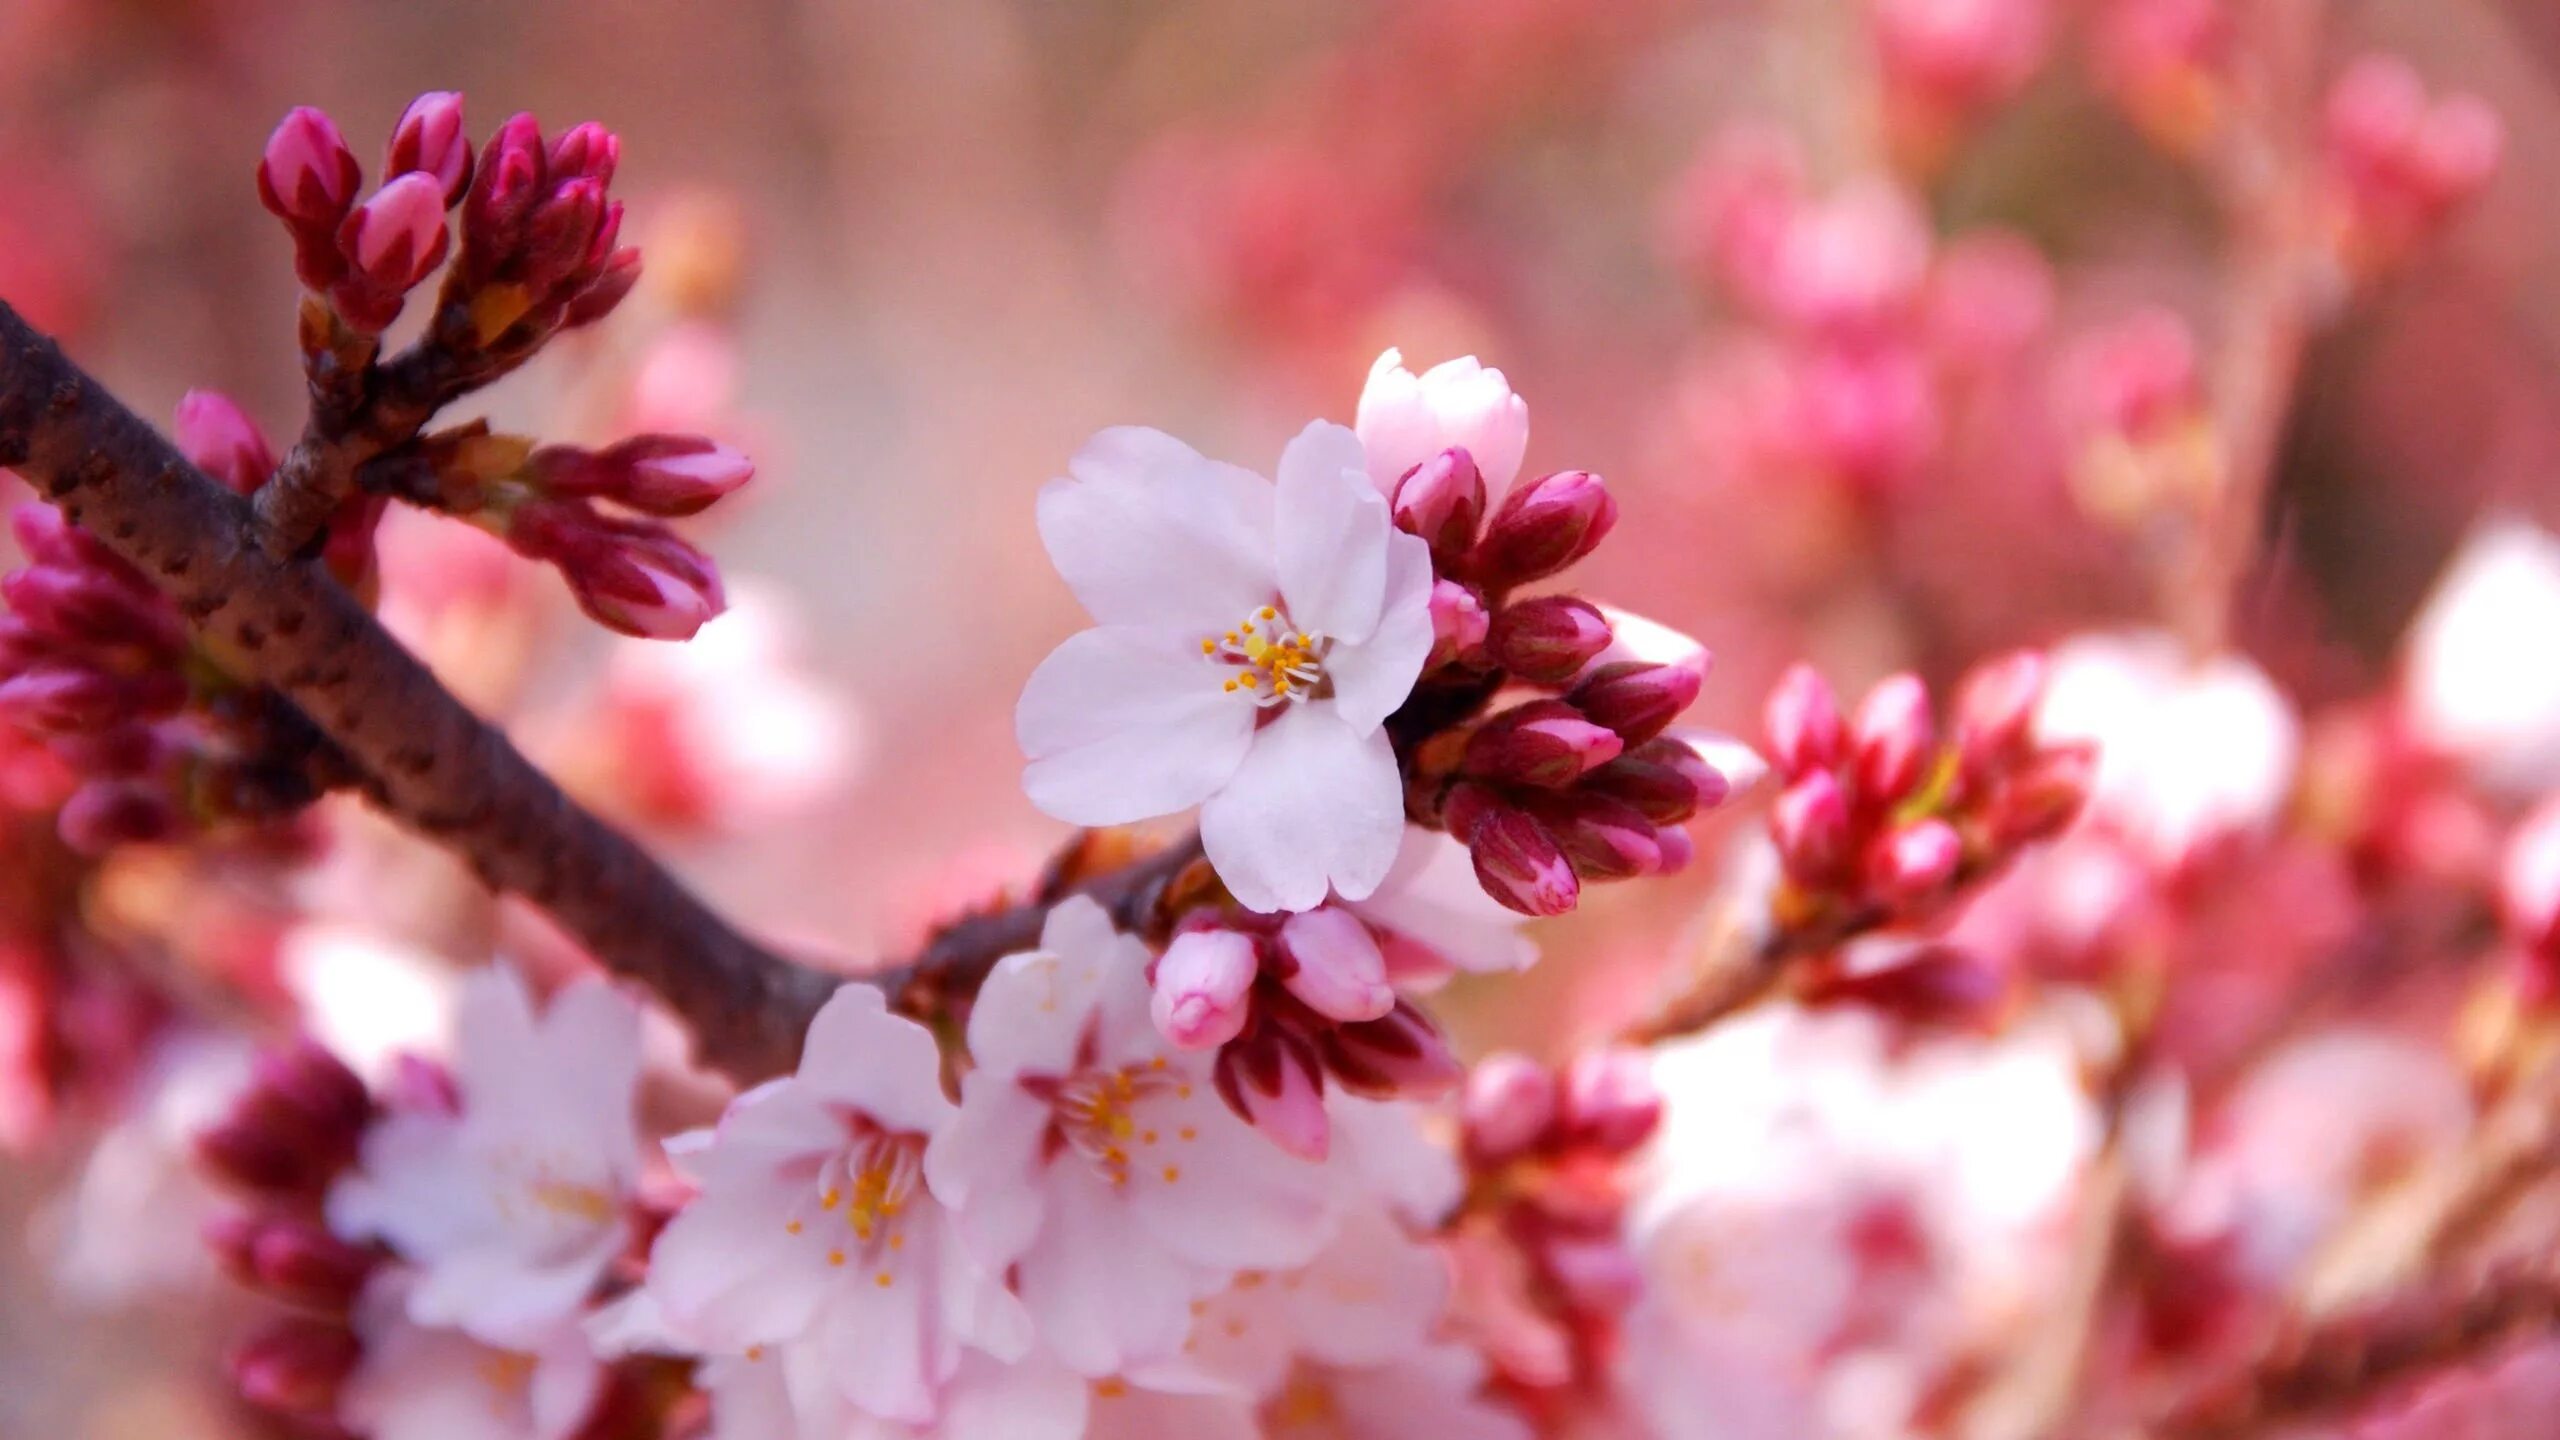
column 1547, row 1156
column 1880, row 821
column 1292, row 1002
column 537, row 232
column 2400, row 166
column 1584, row 784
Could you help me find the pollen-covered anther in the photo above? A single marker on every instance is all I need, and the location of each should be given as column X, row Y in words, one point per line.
column 1274, row 661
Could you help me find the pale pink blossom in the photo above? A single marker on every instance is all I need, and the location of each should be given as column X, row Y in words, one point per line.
column 367, row 998
column 813, row 1224
column 1094, row 1164
column 131, row 1226
column 421, row 1382
column 789, row 1392
column 512, row 1205
column 1372, row 1297
column 2469, row 681
column 1251, row 641
column 1437, row 917
column 1436, row 1390
column 1405, row 419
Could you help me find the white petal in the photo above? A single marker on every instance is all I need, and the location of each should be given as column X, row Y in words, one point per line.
column 1123, row 723
column 981, row 1167
column 1432, row 897
column 1333, row 529
column 886, row 1065
column 1147, row 531
column 1103, row 1293
column 1225, row 1198
column 1314, row 805
column 1404, row 419
column 1373, row 677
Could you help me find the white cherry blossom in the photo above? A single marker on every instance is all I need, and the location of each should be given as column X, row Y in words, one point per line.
column 1093, row 1162
column 513, row 1205
column 2472, row 684
column 421, row 1382
column 1250, row 641
column 1405, row 419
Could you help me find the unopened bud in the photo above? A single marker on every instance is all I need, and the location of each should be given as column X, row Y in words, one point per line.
column 307, row 175
column 633, row 576
column 56, row 698
column 1809, row 821
column 504, row 189
column 1914, row 864
column 1605, row 839
column 1610, row 1100
column 1334, row 965
column 2045, row 794
column 1891, row 739
column 1203, row 988
column 1458, row 625
column 1550, row 639
column 296, row 1367
column 1544, row 526
column 1635, row 699
column 317, row 1086
column 1997, row 707
column 672, row 475
column 586, row 150
column 1399, row 1055
column 1272, row 1082
column 1510, row 1102
column 1545, row 743
column 221, row 440
column 613, row 281
column 430, row 139
column 394, row 240
column 1803, row 721
column 560, row 233
column 92, row 609
column 1665, row 779
column 1442, row 500
column 104, row 815
column 1519, row 864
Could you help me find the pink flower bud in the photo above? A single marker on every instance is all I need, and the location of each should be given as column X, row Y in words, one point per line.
column 120, row 752
column 1442, row 500
column 102, row 816
column 1809, row 821
column 1458, row 625
column 307, row 175
column 1598, row 1272
column 2045, row 795
column 1548, row 640
column 559, row 235
column 672, row 475
column 222, row 441
column 1334, row 965
column 1676, row 848
column 296, row 1367
column 585, row 151
column 1271, row 1080
column 299, row 1263
column 87, row 610
column 2529, row 881
column 1636, row 700
column 1204, row 988
column 1605, row 839
column 397, row 238
column 247, row 1151
column 1914, row 864
column 1519, row 864
column 317, row 1086
column 49, row 539
column 613, row 282
column 1545, row 743
column 504, row 189
column 65, row 698
column 1545, row 526
column 1610, row 1100
column 1997, row 707
column 1891, row 739
column 430, row 139
column 1510, row 1101
column 633, row 576
column 1803, row 721
column 1665, row 779
column 1401, row 1054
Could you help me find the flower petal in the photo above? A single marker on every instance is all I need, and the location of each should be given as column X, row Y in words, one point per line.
column 1123, row 723
column 1332, row 530
column 1316, row 804
column 1146, row 530
column 886, row 1065
column 1373, row 677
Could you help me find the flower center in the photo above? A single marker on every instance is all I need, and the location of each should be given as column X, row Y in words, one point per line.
column 871, row 1182
column 1274, row 662
column 1096, row 1114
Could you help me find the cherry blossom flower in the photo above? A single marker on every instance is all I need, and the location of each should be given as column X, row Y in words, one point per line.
column 1372, row 1297
column 132, row 1224
column 1251, row 640
column 789, row 1393
column 2468, row 687
column 421, row 1382
column 512, row 1204
column 1095, row 1164
column 1405, row 419
column 1437, row 917
column 814, row 1222
column 1433, row 1390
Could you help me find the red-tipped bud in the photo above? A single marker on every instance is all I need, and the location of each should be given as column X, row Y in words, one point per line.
column 103, row 816
column 613, row 282
column 296, row 1367
column 1997, row 707
column 1545, row 526
column 672, row 475
column 247, row 1151
column 1442, row 500
column 1677, row 849
column 1519, row 864
column 1333, row 965
column 1458, row 626
column 633, row 576
column 307, row 175
column 1548, row 640
column 430, row 139
column 90, row 609
column 1510, row 1102
column 585, row 151
column 1272, row 1082
column 1204, row 987
column 1635, row 699
column 317, row 1086
column 1891, row 739
column 504, row 189
column 58, row 698
column 48, row 539
column 1545, row 743
column 292, row 1260
column 120, row 752
column 393, row 240
column 1803, row 721
column 2045, row 795
column 1913, row 865
column 222, row 441
column 1401, row 1054
column 1665, row 779
column 1809, row 821
column 560, row 233
column 1605, row 839
column 1610, row 1101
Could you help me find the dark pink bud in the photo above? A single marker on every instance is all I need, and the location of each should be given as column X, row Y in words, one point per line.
column 296, row 1367
column 307, row 175
column 397, row 238
column 1546, row 525
column 671, row 475
column 633, row 576
column 222, row 441
column 614, row 281
column 1914, row 864
column 1676, row 848
column 1271, row 1080
column 48, row 539
column 121, row 752
column 1665, row 779
column 1399, row 1054
column 1510, row 1101
column 1997, row 707
column 1519, row 864
column 1548, row 640
column 1803, row 720
column 1458, row 626
column 1636, row 699
column 1545, row 743
column 248, row 1151
column 559, row 234
column 302, row 1264
column 505, row 186
column 89, row 610
column 1204, row 988
column 585, row 151
column 1809, row 821
column 429, row 139
column 1891, row 739
column 1334, row 966
column 316, row 1086
column 61, row 698
column 101, row 816
column 2044, row 795
column 1442, row 500
column 1610, row 1100
column 1605, row 839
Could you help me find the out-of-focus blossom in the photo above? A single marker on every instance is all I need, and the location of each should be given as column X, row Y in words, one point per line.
column 511, row 1203
column 1946, row 60
column 1094, row 1164
column 1405, row 419
column 1437, row 917
column 129, row 1228
column 2164, row 60
column 2401, row 164
column 367, row 998
column 2466, row 685
column 1434, row 1390
column 419, row 1382
column 1251, row 640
